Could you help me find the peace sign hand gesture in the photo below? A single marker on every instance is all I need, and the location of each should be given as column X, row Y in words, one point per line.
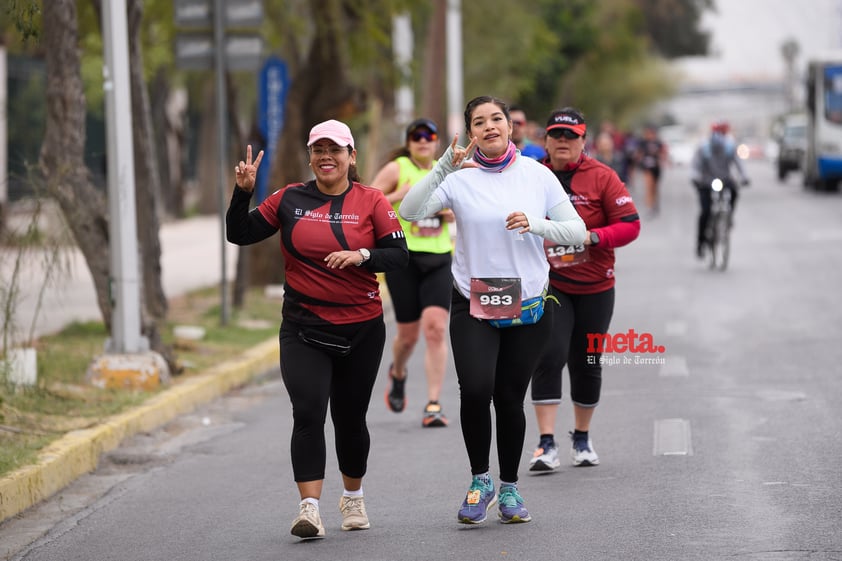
column 461, row 154
column 246, row 172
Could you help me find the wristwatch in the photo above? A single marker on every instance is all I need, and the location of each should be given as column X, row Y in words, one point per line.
column 594, row 238
column 366, row 255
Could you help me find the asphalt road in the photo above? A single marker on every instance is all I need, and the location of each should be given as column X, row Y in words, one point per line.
column 725, row 446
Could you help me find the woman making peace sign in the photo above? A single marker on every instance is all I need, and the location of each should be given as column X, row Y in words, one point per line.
column 335, row 234
column 500, row 274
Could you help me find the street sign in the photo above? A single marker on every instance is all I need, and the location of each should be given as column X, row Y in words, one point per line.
column 195, row 51
column 272, row 91
column 199, row 13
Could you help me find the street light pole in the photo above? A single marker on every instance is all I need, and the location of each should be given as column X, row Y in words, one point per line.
column 128, row 361
column 222, row 146
column 455, row 93
column 402, row 41
column 125, row 272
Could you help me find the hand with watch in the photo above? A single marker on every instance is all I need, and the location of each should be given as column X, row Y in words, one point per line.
column 593, row 238
column 366, row 255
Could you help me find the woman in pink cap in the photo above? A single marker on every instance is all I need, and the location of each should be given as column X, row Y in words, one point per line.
column 335, row 235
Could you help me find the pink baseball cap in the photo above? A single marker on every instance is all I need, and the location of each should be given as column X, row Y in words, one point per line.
column 332, row 130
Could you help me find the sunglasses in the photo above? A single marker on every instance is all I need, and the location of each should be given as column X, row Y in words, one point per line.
column 418, row 136
column 566, row 133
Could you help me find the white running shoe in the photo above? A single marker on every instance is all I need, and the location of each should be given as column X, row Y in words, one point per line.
column 353, row 512
column 583, row 453
column 308, row 523
column 545, row 457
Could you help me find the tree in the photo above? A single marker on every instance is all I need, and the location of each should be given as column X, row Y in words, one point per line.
column 616, row 77
column 62, row 159
column 608, row 59
column 673, row 26
column 322, row 87
column 68, row 178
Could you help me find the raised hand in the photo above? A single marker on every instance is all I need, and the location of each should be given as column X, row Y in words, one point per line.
column 461, row 154
column 246, row 172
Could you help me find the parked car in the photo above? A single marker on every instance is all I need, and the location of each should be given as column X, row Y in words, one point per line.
column 792, row 143
column 680, row 146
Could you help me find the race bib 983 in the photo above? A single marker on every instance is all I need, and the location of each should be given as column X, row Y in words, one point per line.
column 495, row 298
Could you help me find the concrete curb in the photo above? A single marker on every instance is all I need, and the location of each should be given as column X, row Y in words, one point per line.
column 78, row 452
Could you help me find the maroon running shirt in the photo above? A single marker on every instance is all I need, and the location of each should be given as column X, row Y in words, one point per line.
column 605, row 205
column 312, row 225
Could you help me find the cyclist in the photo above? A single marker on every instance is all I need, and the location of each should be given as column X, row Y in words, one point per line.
column 714, row 158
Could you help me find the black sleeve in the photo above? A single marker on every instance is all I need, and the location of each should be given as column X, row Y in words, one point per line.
column 243, row 227
column 390, row 254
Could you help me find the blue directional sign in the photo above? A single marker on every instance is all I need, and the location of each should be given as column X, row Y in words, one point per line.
column 272, row 94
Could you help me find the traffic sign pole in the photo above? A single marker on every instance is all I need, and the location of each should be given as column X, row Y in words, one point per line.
column 220, row 51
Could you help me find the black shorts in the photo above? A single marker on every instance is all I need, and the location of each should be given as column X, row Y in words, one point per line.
column 426, row 281
column 655, row 172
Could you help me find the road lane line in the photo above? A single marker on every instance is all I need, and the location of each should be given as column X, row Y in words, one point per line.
column 672, row 438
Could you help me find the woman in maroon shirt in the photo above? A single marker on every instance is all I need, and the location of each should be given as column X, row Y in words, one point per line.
column 335, row 234
column 582, row 279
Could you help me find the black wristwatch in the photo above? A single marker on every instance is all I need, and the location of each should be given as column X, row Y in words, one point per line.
column 594, row 238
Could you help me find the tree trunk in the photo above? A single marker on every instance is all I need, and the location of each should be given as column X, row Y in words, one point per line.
column 207, row 170
column 147, row 191
column 320, row 89
column 433, row 104
column 68, row 180
column 168, row 109
column 62, row 153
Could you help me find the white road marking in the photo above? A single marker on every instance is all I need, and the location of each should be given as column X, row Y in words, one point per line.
column 672, row 438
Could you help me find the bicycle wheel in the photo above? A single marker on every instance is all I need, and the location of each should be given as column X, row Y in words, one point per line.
column 721, row 245
column 712, row 234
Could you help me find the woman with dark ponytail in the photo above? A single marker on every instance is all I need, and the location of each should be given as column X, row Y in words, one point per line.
column 505, row 207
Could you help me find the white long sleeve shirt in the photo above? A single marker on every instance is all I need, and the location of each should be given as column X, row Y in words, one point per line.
column 481, row 201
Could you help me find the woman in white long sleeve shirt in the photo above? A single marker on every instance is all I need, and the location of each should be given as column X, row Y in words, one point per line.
column 505, row 207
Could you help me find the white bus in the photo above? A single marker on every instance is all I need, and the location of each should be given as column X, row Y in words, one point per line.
column 823, row 155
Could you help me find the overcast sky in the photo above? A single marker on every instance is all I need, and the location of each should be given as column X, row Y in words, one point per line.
column 747, row 36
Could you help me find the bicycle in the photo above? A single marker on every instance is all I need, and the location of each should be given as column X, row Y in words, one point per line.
column 718, row 231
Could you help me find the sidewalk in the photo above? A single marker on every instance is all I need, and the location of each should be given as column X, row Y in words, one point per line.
column 191, row 259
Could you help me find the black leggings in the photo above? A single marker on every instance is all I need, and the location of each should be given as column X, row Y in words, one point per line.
column 575, row 317
column 314, row 377
column 494, row 365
